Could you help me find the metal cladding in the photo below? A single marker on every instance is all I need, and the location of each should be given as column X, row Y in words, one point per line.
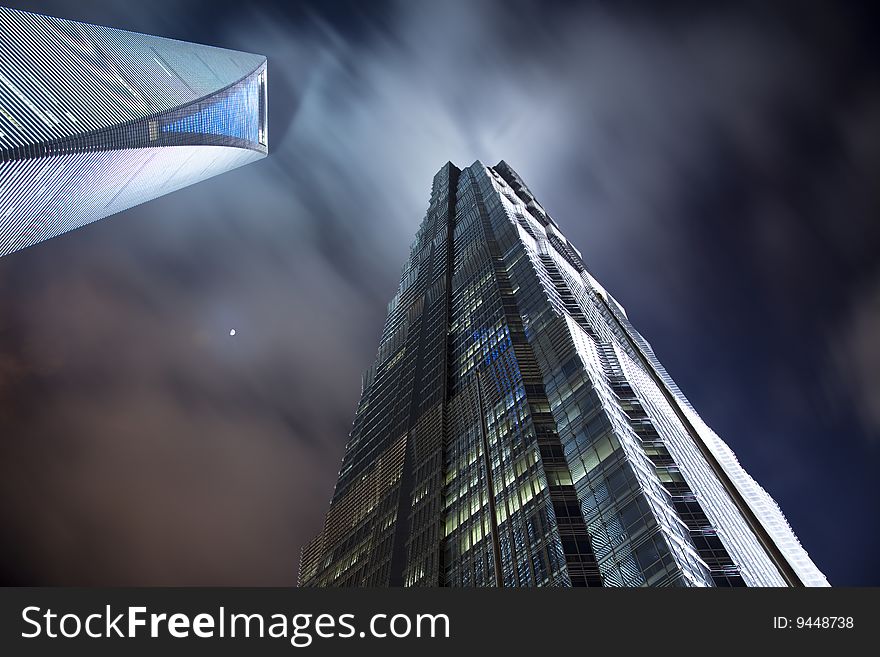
column 95, row 120
column 516, row 430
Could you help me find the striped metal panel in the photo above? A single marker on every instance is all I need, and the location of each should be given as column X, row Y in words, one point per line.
column 94, row 120
column 69, row 191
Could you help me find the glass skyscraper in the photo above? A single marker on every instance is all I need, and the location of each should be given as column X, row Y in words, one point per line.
column 516, row 430
column 95, row 120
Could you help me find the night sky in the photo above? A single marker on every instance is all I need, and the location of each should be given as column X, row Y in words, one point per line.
column 718, row 166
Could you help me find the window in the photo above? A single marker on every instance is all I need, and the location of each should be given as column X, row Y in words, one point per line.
column 263, row 109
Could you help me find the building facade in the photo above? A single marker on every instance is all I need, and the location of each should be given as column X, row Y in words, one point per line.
column 516, row 430
column 95, row 120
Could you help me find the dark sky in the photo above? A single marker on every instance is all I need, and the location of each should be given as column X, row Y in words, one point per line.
column 717, row 165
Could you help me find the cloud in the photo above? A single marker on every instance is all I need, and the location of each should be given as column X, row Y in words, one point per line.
column 856, row 361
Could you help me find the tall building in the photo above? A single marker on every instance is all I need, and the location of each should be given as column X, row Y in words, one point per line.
column 516, row 430
column 95, row 120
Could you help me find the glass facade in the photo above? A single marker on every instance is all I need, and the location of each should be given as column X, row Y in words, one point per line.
column 232, row 113
column 95, row 120
column 516, row 430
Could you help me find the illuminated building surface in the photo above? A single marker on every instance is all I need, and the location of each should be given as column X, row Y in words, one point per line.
column 95, row 120
column 516, row 430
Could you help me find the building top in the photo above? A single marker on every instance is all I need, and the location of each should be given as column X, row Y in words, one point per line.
column 61, row 79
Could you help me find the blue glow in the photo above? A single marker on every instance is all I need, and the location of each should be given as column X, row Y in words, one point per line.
column 236, row 114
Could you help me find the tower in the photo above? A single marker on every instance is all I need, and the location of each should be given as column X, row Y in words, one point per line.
column 95, row 120
column 516, row 430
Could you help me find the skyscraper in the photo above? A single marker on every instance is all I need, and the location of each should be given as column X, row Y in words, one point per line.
column 95, row 120
column 516, row 430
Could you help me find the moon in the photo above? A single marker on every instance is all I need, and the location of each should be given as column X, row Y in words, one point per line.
column 231, row 332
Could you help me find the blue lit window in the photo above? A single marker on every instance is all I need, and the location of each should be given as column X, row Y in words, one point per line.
column 236, row 114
